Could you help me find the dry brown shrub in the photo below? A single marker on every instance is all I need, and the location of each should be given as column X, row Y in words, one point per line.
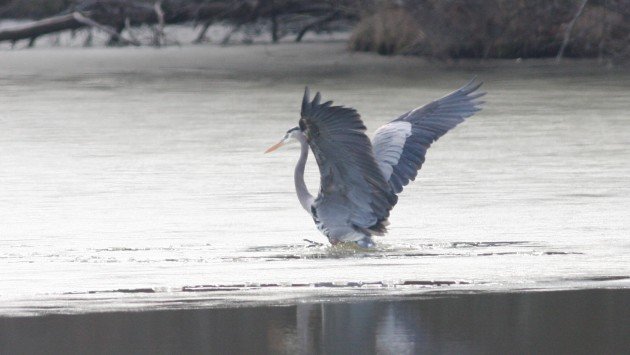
column 387, row 31
column 494, row 28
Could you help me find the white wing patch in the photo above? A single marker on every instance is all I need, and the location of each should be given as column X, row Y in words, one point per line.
column 388, row 144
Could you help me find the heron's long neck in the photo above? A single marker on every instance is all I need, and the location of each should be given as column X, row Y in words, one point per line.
column 306, row 199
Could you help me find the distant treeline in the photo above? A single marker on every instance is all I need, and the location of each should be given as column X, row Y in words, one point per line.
column 32, row 9
column 496, row 28
column 433, row 28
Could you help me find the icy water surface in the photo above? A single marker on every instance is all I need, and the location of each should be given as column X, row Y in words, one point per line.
column 141, row 170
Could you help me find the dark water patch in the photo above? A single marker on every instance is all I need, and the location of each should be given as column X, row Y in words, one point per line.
column 435, row 283
column 268, row 248
column 288, row 257
column 486, row 244
column 416, row 254
column 608, row 278
column 600, row 278
column 327, row 284
column 125, row 290
column 587, row 195
column 121, row 249
column 501, row 253
column 562, row 253
column 208, row 289
column 562, row 322
column 230, row 287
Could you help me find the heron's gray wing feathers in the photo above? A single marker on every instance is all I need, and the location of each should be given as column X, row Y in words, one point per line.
column 401, row 145
column 353, row 191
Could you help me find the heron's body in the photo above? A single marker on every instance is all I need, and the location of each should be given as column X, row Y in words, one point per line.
column 360, row 180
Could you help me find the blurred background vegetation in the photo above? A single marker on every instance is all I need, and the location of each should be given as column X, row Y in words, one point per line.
column 32, row 9
column 441, row 29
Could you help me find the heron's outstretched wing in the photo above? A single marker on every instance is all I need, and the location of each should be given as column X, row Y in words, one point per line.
column 401, row 145
column 353, row 190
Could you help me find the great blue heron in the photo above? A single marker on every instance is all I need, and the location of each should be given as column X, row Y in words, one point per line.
column 360, row 180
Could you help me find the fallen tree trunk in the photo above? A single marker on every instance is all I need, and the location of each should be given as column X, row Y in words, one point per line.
column 71, row 21
column 113, row 16
column 42, row 27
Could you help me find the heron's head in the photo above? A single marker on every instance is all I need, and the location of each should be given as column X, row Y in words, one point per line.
column 290, row 137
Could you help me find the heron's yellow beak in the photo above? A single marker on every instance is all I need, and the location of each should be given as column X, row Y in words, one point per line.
column 274, row 147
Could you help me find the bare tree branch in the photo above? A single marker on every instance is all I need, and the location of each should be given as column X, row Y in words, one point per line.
column 315, row 24
column 567, row 32
column 112, row 32
column 130, row 30
column 201, row 37
column 159, row 30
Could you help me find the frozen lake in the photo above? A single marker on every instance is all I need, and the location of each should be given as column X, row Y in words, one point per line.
column 142, row 170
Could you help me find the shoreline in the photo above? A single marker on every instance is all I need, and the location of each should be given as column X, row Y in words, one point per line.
column 339, row 47
column 183, row 37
